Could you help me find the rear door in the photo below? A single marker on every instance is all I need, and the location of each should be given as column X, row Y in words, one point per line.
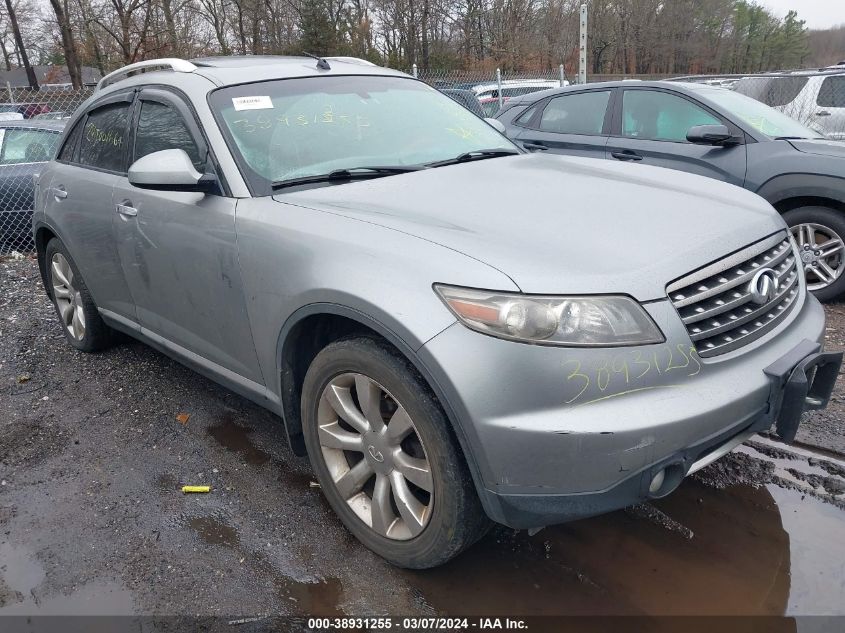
column 79, row 200
column 178, row 248
column 829, row 115
column 574, row 123
column 650, row 127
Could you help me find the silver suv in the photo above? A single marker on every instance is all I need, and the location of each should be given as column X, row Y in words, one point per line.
column 453, row 330
column 816, row 99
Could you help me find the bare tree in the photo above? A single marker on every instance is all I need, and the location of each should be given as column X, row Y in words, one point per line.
column 21, row 48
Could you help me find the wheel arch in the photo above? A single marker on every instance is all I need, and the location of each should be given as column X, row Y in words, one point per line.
column 791, row 191
column 788, row 204
column 43, row 235
column 310, row 329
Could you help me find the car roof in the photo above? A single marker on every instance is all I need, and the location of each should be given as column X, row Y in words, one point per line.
column 239, row 69
column 52, row 125
column 230, row 71
column 678, row 86
column 515, row 83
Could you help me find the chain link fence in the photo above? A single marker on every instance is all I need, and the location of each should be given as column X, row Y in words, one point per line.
column 31, row 123
column 485, row 91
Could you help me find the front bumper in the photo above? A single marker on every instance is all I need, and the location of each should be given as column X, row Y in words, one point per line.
column 554, row 434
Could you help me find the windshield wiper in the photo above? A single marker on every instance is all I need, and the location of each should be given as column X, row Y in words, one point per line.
column 477, row 154
column 350, row 173
column 791, row 138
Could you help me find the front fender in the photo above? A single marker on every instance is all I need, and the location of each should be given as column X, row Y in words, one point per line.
column 289, row 392
column 799, row 185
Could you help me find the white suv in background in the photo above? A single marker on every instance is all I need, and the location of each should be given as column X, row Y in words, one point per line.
column 815, row 99
column 488, row 94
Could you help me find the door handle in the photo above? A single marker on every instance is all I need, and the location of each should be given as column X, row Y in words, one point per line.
column 59, row 192
column 535, row 147
column 822, row 113
column 126, row 210
column 626, row 155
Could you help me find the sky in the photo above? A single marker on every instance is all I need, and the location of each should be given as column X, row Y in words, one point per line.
column 819, row 14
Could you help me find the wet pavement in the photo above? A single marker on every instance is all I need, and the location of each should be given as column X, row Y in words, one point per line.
column 92, row 519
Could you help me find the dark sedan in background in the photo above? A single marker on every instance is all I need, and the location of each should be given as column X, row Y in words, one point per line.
column 25, row 146
column 705, row 130
column 466, row 98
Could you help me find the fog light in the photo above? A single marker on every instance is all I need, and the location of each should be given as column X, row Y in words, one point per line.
column 657, row 481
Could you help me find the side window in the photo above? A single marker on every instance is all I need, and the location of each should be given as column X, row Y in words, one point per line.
column 161, row 127
column 660, row 116
column 104, row 140
column 67, row 151
column 524, row 118
column 832, row 93
column 579, row 113
column 28, row 146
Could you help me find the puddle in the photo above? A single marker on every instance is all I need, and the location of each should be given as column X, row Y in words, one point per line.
column 99, row 598
column 214, row 532
column 21, row 575
column 762, row 551
column 318, row 598
column 236, row 439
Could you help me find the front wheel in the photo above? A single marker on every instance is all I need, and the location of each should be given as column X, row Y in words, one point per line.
column 385, row 456
column 820, row 234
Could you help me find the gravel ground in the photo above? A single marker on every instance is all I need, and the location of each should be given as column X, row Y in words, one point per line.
column 94, row 450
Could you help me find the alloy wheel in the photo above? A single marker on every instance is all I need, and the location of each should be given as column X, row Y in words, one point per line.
column 375, row 456
column 821, row 251
column 68, row 299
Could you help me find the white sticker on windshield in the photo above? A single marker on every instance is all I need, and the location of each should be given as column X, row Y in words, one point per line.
column 252, row 103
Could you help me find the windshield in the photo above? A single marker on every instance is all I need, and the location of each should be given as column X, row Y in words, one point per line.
column 294, row 128
column 759, row 116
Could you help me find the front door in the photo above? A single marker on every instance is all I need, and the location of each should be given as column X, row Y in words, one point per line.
column 653, row 131
column 178, row 249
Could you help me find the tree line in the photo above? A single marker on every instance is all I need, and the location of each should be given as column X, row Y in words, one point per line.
column 625, row 36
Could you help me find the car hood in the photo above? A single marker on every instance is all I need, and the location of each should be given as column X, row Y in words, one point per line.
column 557, row 224
column 821, row 147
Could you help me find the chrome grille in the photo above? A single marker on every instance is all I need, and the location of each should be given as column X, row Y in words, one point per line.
column 715, row 302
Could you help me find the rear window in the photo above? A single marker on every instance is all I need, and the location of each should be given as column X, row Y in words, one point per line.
column 578, row 113
column 773, row 91
column 832, row 93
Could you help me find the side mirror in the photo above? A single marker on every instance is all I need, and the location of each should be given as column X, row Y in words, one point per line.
column 169, row 170
column 496, row 125
column 711, row 135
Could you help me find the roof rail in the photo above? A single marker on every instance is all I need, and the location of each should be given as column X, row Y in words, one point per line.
column 350, row 60
column 171, row 63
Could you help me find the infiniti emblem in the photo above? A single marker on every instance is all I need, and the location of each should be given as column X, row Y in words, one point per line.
column 375, row 453
column 763, row 286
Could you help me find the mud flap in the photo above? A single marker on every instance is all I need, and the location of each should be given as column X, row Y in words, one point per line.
column 803, row 380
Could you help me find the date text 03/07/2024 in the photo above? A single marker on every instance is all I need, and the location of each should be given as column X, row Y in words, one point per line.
column 417, row 624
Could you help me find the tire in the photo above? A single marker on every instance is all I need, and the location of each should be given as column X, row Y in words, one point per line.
column 813, row 226
column 77, row 306
column 453, row 516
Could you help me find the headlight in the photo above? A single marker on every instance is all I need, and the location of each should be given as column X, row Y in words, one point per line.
column 600, row 321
